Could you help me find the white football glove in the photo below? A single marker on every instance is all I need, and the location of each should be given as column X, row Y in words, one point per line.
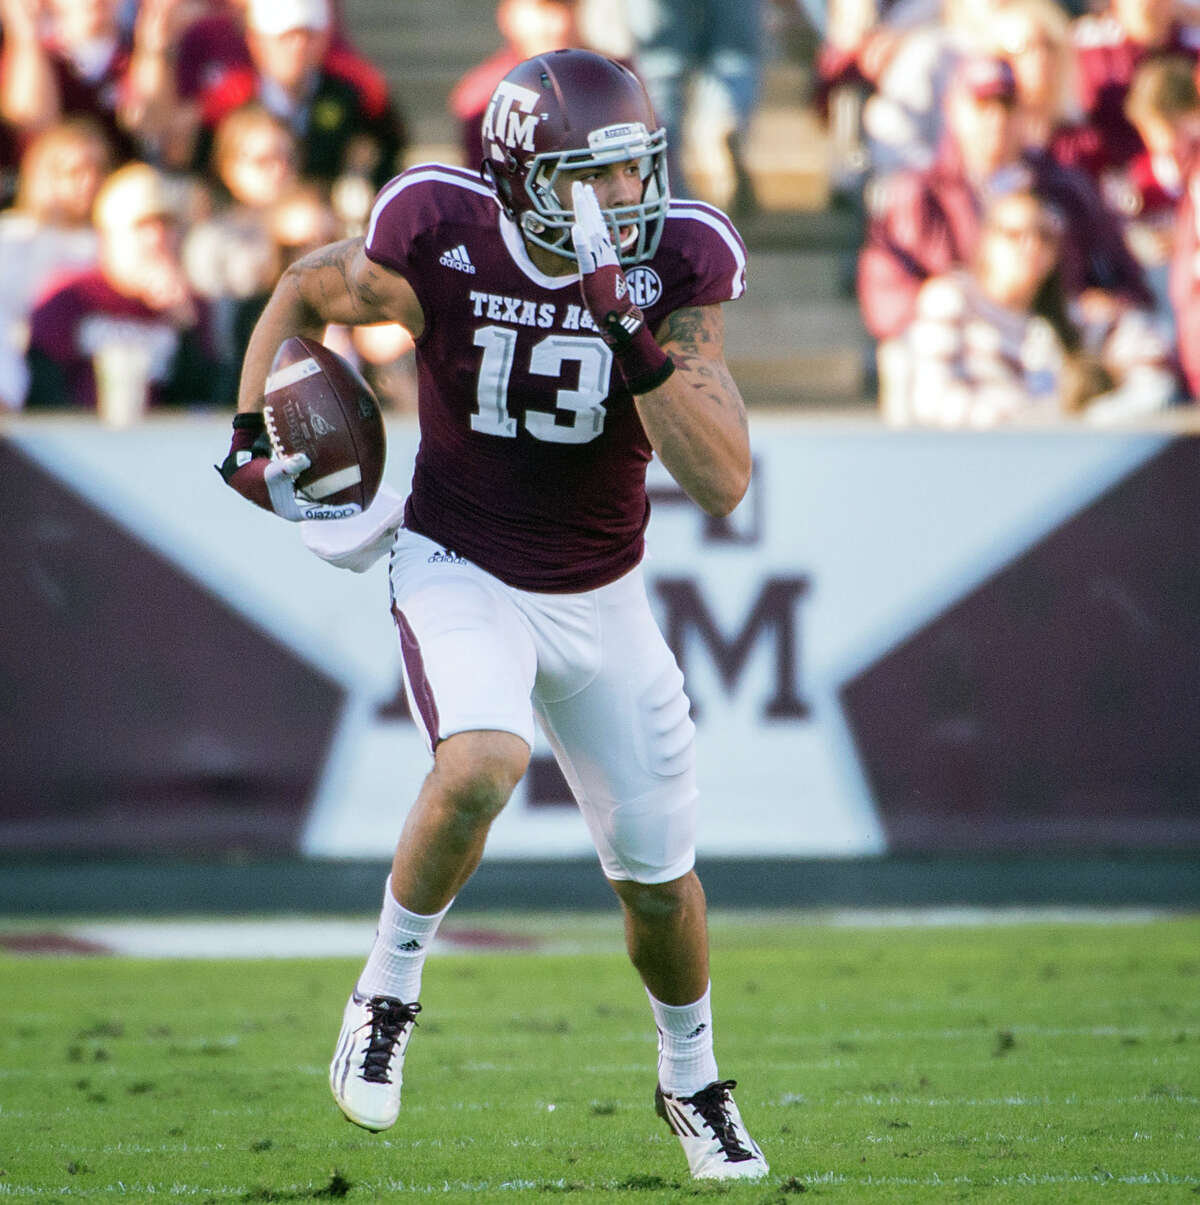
column 603, row 284
column 589, row 232
column 622, row 325
column 280, row 477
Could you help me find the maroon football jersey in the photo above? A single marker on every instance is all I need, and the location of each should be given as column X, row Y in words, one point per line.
column 532, row 460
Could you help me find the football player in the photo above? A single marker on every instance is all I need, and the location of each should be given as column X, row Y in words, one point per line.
column 568, row 325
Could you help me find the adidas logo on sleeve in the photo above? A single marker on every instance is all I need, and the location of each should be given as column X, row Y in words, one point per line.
column 457, row 257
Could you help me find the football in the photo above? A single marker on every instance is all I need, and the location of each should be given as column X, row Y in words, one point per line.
column 318, row 404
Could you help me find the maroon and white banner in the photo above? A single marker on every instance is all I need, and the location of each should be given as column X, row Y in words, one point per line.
column 900, row 641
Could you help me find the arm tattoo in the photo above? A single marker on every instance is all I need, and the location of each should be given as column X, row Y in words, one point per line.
column 331, row 255
column 690, row 328
column 695, row 336
column 339, row 286
column 367, row 291
column 335, row 256
column 318, row 264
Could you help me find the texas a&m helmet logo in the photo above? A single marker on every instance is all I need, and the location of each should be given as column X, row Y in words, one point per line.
column 510, row 118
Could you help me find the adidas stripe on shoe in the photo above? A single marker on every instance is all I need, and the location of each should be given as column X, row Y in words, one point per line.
column 366, row 1072
column 712, row 1134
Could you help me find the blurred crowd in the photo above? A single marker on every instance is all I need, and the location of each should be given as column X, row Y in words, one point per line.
column 1026, row 173
column 163, row 161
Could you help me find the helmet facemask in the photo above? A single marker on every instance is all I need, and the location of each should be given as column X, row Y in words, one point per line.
column 546, row 223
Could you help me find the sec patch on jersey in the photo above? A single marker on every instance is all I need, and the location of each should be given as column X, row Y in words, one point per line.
column 318, row 404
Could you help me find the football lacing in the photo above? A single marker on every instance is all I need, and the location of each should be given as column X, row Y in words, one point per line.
column 711, row 1104
column 272, row 434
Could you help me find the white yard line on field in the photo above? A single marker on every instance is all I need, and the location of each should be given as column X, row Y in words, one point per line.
column 334, row 937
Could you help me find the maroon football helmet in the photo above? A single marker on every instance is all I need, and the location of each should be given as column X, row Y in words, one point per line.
column 563, row 111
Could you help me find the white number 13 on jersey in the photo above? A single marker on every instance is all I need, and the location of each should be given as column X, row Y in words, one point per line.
column 585, row 403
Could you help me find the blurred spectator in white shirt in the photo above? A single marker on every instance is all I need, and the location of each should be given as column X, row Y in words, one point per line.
column 1034, row 36
column 989, row 342
column 47, row 234
column 904, row 119
column 995, row 342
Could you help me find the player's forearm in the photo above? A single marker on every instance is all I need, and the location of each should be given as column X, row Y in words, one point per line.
column 696, row 419
column 286, row 314
column 696, row 423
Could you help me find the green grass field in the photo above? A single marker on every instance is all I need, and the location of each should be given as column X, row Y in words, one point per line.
column 1032, row 1062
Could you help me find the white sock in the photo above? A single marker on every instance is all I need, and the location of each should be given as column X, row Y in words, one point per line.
column 397, row 958
column 686, row 1062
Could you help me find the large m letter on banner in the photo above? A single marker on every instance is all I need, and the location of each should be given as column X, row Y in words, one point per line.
column 773, row 615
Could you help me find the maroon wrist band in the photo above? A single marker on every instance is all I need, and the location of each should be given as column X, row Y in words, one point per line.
column 643, row 364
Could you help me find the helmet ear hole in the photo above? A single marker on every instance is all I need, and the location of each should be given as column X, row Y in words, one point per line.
column 499, row 185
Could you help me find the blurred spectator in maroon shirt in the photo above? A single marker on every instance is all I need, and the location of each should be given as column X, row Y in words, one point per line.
column 137, row 297
column 68, row 58
column 528, row 27
column 1163, row 105
column 1109, row 47
column 336, row 103
column 928, row 221
column 211, row 44
column 1185, row 279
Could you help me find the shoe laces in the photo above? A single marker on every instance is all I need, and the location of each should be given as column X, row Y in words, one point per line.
column 712, row 1103
column 388, row 1020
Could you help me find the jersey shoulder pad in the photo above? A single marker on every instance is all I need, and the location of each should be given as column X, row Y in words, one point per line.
column 709, row 244
column 419, row 202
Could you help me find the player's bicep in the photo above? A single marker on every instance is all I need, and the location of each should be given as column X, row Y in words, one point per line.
column 694, row 332
column 386, row 293
column 340, row 284
column 694, row 337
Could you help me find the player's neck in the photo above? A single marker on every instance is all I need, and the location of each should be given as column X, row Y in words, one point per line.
column 549, row 262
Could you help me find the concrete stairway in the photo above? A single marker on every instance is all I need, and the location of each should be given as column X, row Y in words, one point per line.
column 795, row 339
